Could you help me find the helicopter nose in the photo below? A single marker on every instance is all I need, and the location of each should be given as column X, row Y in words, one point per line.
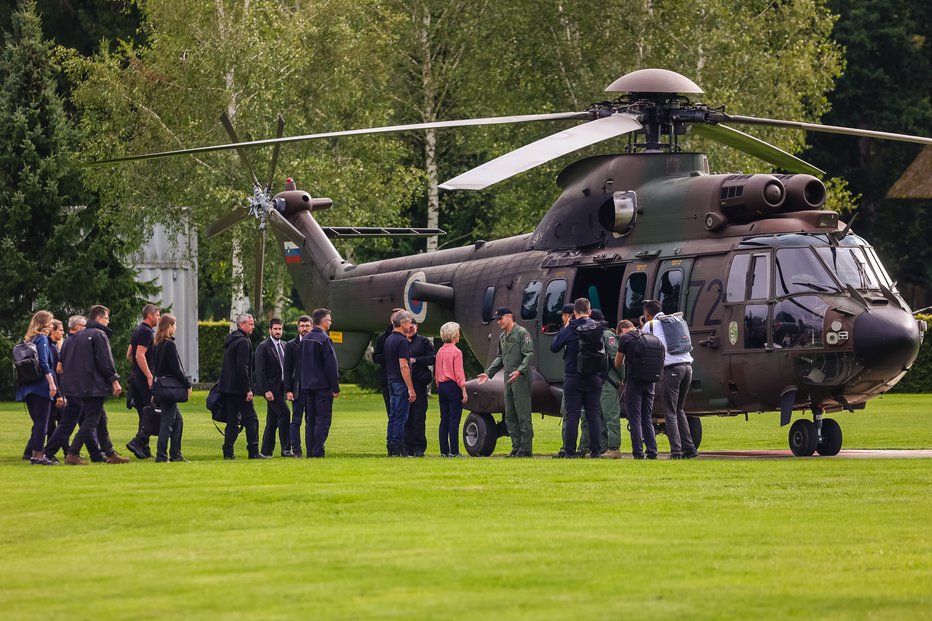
column 886, row 339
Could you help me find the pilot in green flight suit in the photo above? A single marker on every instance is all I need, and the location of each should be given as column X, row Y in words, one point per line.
column 514, row 355
column 611, row 406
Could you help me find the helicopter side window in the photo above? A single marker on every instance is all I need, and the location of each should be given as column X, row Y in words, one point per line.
column 635, row 288
column 799, row 271
column 755, row 326
column 553, row 306
column 851, row 267
column 797, row 322
column 531, row 300
column 668, row 291
column 488, row 303
column 759, row 274
column 737, row 278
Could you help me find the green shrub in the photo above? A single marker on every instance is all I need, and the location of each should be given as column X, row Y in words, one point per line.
column 210, row 337
column 919, row 378
column 7, row 385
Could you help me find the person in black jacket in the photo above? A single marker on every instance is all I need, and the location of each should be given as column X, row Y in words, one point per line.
column 236, row 387
column 320, row 382
column 167, row 363
column 89, row 375
column 270, row 383
column 378, row 357
column 422, row 356
column 139, row 355
column 293, row 384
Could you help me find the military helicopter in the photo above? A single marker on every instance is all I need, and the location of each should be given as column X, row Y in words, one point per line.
column 788, row 309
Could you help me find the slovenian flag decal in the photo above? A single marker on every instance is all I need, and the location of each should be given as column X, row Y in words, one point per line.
column 292, row 253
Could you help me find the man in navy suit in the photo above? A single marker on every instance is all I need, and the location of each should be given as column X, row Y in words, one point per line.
column 293, row 383
column 270, row 383
column 319, row 382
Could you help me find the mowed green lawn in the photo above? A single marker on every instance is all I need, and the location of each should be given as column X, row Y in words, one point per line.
column 358, row 535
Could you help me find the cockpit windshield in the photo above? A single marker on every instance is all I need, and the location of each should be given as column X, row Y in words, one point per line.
column 851, row 266
column 799, row 271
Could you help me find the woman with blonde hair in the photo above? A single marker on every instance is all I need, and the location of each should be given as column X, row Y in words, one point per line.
column 40, row 393
column 451, row 389
column 166, row 363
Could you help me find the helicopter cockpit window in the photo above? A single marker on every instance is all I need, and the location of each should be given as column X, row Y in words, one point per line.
column 635, row 288
column 755, row 326
column 759, row 284
column 850, row 266
column 799, row 271
column 668, row 291
column 553, row 306
column 488, row 303
column 737, row 278
column 531, row 300
column 797, row 322
column 879, row 269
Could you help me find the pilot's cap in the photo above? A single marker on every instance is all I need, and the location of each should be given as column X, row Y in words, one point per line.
column 596, row 315
column 501, row 311
column 569, row 309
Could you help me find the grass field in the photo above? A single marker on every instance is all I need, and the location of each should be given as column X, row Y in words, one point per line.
column 358, row 536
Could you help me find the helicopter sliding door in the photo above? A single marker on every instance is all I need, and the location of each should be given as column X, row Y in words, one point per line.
column 600, row 285
column 703, row 312
column 550, row 364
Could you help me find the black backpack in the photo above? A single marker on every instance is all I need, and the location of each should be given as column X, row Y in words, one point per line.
column 645, row 360
column 591, row 358
column 26, row 363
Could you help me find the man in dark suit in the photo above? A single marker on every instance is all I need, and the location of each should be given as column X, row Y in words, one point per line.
column 236, row 387
column 293, row 383
column 319, row 382
column 270, row 383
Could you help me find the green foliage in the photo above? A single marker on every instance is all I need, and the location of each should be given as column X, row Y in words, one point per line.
column 919, row 377
column 58, row 249
column 210, row 338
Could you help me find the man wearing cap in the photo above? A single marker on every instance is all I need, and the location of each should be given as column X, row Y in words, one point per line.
column 514, row 355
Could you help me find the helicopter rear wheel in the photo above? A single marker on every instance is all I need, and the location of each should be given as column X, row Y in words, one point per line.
column 695, row 430
column 803, row 438
column 480, row 433
column 831, row 438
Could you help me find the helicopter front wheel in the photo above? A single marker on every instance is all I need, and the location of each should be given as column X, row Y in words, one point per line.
column 831, row 438
column 803, row 438
column 480, row 433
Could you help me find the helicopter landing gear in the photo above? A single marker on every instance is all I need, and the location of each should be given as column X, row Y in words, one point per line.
column 480, row 433
column 695, row 430
column 803, row 438
column 830, row 444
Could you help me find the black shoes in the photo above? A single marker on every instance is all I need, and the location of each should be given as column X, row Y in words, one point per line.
column 287, row 454
column 230, row 457
column 692, row 455
column 99, row 458
column 137, row 451
column 259, row 456
column 178, row 457
column 524, row 454
column 161, row 460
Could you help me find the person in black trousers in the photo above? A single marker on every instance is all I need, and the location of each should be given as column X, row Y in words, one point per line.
column 71, row 412
column 39, row 394
column 88, row 374
column 378, row 357
column 139, row 355
column 320, row 382
column 236, row 387
column 270, row 383
column 293, row 383
column 422, row 355
column 167, row 363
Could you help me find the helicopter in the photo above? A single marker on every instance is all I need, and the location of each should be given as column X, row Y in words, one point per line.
column 789, row 310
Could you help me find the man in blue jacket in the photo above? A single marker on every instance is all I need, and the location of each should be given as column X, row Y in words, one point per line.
column 579, row 389
column 89, row 375
column 320, row 382
column 235, row 386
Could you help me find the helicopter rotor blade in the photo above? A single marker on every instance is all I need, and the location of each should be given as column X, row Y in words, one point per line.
column 227, row 125
column 498, row 120
column 286, row 228
column 260, row 273
column 227, row 222
column 827, row 129
column 758, row 148
column 275, row 151
column 543, row 150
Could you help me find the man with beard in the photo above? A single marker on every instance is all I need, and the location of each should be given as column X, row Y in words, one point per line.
column 293, row 383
